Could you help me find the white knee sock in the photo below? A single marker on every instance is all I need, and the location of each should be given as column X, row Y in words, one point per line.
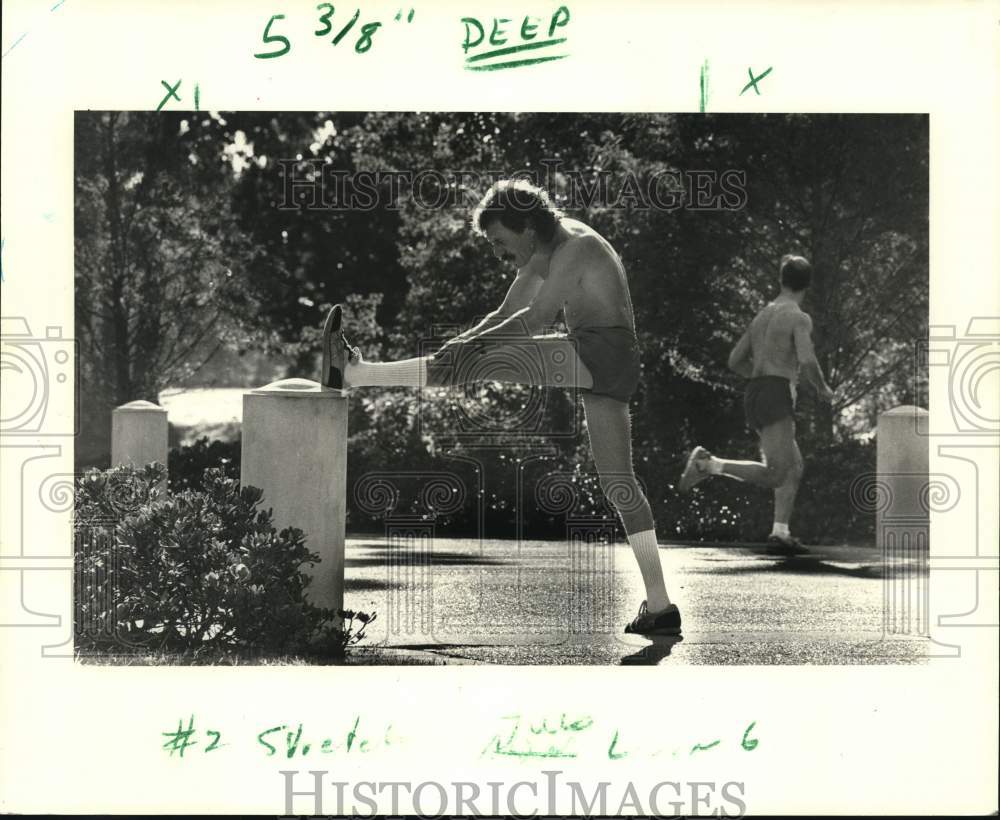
column 646, row 553
column 405, row 373
column 780, row 529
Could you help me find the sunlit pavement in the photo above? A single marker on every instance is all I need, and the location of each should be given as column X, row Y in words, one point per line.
column 552, row 602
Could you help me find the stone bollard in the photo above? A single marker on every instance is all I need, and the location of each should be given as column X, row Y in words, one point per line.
column 295, row 449
column 902, row 517
column 138, row 434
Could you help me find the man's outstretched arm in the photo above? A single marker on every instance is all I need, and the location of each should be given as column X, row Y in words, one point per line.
column 522, row 290
column 806, row 354
column 564, row 276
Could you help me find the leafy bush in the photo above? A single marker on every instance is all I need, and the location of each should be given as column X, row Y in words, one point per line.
column 193, row 572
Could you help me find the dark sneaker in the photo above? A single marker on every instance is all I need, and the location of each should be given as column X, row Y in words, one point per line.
column 336, row 350
column 785, row 545
column 664, row 622
column 696, row 469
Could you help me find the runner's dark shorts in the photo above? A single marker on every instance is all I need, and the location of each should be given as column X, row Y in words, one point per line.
column 612, row 357
column 768, row 399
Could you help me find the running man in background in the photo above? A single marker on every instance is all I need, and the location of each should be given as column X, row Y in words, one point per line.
column 562, row 264
column 771, row 353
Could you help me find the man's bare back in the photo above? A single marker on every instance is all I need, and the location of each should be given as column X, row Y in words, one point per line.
column 772, row 340
column 779, row 343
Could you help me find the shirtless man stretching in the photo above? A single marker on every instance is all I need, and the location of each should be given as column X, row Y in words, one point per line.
column 562, row 264
column 770, row 354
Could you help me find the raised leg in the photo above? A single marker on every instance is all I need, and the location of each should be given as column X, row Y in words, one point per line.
column 547, row 361
column 777, row 443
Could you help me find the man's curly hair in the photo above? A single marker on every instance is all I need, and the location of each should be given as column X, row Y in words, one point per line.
column 517, row 204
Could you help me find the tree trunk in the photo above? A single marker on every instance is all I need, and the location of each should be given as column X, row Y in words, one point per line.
column 121, row 388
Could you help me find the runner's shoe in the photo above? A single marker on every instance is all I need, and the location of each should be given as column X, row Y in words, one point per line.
column 785, row 545
column 696, row 469
column 664, row 622
column 336, row 350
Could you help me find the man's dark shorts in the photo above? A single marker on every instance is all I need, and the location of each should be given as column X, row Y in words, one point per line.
column 612, row 357
column 768, row 399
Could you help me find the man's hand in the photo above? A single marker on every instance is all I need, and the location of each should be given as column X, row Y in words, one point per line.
column 826, row 395
column 450, row 348
column 454, row 347
column 457, row 340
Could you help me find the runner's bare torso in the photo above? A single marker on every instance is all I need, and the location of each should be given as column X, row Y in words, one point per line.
column 600, row 295
column 772, row 340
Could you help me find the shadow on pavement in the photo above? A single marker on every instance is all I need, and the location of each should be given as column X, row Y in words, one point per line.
column 811, row 565
column 368, row 585
column 383, row 556
column 654, row 653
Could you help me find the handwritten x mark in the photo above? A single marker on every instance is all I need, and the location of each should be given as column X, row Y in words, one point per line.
column 754, row 80
column 171, row 92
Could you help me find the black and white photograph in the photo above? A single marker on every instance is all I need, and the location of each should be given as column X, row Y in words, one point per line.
column 499, row 408
column 500, row 388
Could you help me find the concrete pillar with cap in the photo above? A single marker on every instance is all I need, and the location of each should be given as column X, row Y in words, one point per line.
column 138, row 434
column 294, row 448
column 902, row 518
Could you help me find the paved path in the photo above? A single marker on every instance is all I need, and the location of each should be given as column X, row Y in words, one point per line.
column 545, row 602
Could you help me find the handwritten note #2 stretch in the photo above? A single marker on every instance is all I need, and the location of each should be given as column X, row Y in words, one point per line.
column 516, row 736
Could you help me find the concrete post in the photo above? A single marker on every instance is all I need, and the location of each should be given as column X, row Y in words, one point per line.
column 138, row 434
column 295, row 449
column 902, row 519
